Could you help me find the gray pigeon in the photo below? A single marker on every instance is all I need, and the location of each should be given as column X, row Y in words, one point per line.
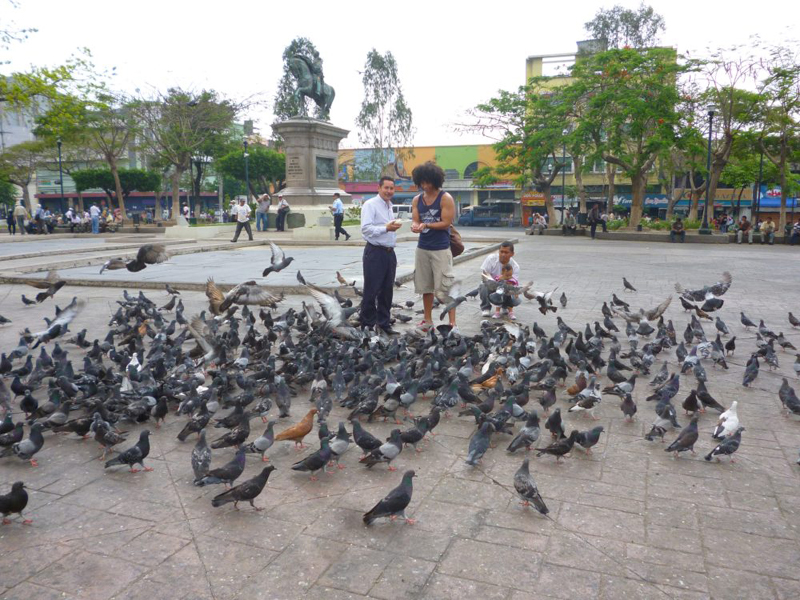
column 247, row 491
column 27, row 448
column 750, row 371
column 528, row 435
column 527, row 490
column 479, row 443
column 686, row 439
column 278, row 262
column 201, row 456
column 395, row 503
column 262, row 443
column 588, row 439
column 727, row 446
column 386, row 452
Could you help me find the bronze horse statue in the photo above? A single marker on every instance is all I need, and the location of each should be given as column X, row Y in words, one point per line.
column 310, row 84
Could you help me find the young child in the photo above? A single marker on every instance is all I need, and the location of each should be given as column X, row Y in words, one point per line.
column 506, row 274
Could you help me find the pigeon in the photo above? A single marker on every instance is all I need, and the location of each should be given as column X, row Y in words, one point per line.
column 560, row 447
column 588, row 439
column 527, row 490
column 263, row 443
column 563, row 300
column 386, row 452
column 316, row 461
column 14, row 503
column 278, row 262
column 745, row 321
column 627, row 285
column 227, row 473
column 297, row 432
column 134, row 455
column 201, row 458
column 479, row 443
column 528, row 435
column 364, row 439
column 171, row 290
column 628, row 407
column 728, row 446
column 685, row 440
column 750, row 371
column 340, row 443
column 27, row 448
column 395, row 502
column 728, row 423
column 149, row 254
column 793, row 321
column 554, row 424
column 245, row 492
column 27, row 301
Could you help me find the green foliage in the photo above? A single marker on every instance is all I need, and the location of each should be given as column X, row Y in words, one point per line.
column 620, row 27
column 266, row 167
column 353, row 213
column 285, row 104
column 8, row 193
column 615, row 224
column 132, row 180
column 385, row 121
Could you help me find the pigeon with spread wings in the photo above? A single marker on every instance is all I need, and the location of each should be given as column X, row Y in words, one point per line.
column 278, row 262
column 50, row 284
column 249, row 293
column 454, row 298
column 149, row 254
column 645, row 315
column 57, row 327
column 709, row 294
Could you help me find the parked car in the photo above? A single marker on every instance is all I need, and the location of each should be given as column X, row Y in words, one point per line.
column 402, row 211
column 473, row 216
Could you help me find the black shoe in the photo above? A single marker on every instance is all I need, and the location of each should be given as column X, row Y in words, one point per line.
column 348, row 238
column 233, row 241
column 389, row 331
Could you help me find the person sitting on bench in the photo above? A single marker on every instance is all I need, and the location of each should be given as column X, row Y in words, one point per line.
column 677, row 230
column 570, row 224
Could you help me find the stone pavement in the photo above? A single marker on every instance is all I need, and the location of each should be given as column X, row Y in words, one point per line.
column 627, row 522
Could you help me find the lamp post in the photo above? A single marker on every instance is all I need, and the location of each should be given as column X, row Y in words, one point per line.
column 705, row 229
column 60, row 173
column 758, row 186
column 246, row 173
column 563, row 172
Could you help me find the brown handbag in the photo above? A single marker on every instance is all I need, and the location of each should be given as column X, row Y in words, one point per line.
column 456, row 245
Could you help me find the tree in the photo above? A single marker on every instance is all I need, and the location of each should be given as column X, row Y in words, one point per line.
column 619, row 27
column 385, row 121
column 631, row 110
column 129, row 180
column 266, row 168
column 177, row 125
column 779, row 117
column 8, row 193
column 18, row 165
column 101, row 124
column 527, row 126
column 286, row 104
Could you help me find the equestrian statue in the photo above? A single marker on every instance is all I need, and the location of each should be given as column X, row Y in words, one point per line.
column 311, row 84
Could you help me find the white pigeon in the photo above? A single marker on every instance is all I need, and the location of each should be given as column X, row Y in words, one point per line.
column 728, row 423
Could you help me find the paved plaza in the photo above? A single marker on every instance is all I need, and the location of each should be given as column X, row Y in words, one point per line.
column 628, row 521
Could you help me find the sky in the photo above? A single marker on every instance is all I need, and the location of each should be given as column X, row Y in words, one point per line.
column 451, row 55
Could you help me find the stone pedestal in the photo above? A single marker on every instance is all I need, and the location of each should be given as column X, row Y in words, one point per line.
column 312, row 162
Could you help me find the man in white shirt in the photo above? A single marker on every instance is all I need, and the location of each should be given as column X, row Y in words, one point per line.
column 379, row 261
column 95, row 214
column 492, row 266
column 283, row 210
column 242, row 214
column 337, row 209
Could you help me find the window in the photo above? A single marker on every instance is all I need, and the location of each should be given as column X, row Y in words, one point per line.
column 471, row 168
column 557, row 161
column 451, row 174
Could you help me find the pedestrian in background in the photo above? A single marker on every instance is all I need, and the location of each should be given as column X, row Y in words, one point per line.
column 337, row 209
column 94, row 212
column 20, row 214
column 264, row 202
column 242, row 212
column 283, row 210
column 12, row 222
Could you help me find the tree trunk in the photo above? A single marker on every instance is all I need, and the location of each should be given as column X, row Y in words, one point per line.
column 696, row 194
column 112, row 163
column 675, row 198
column 548, row 204
column 577, row 162
column 176, row 194
column 80, row 202
column 782, row 221
column 611, row 174
column 639, row 185
column 26, row 199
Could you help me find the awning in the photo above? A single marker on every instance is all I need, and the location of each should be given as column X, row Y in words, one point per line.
column 499, row 201
column 776, row 203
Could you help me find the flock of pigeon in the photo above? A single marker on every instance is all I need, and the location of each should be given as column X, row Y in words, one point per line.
column 244, row 359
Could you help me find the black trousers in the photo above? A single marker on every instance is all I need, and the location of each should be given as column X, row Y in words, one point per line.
column 280, row 220
column 380, row 266
column 337, row 223
column 246, row 226
column 593, row 227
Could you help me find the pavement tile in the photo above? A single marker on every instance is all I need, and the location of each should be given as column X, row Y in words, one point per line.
column 404, row 577
column 356, row 569
column 445, row 587
column 491, row 563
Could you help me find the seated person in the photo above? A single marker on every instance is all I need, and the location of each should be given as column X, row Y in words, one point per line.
column 570, row 224
column 506, row 274
column 795, row 234
column 678, row 230
column 537, row 224
column 768, row 231
column 493, row 267
column 744, row 230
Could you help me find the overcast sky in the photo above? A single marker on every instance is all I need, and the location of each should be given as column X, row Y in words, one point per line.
column 451, row 55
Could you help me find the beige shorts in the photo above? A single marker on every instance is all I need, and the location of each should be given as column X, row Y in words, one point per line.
column 433, row 271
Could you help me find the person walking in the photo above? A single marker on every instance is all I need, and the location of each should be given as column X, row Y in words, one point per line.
column 264, row 202
column 94, row 212
column 594, row 219
column 283, row 210
column 20, row 214
column 432, row 214
column 378, row 228
column 12, row 222
column 242, row 213
column 337, row 208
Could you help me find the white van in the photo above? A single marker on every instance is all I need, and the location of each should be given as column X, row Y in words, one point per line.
column 402, row 211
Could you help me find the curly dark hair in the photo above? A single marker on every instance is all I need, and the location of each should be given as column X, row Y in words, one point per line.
column 428, row 172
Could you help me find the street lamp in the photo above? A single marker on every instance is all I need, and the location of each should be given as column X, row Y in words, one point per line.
column 60, row 173
column 246, row 173
column 199, row 161
column 705, row 229
column 758, row 188
column 563, row 171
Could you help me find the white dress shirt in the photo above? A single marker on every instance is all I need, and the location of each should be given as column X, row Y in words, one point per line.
column 242, row 213
column 375, row 214
column 494, row 267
